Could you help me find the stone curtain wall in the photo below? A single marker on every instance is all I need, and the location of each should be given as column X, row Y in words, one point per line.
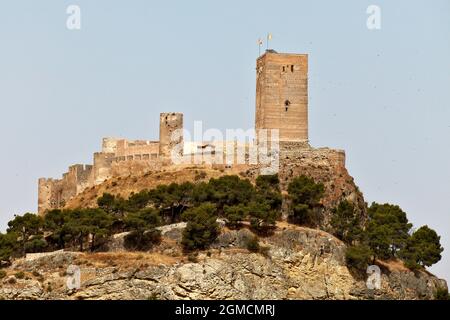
column 53, row 193
column 119, row 157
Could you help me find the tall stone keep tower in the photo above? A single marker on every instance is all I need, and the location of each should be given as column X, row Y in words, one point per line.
column 170, row 134
column 282, row 94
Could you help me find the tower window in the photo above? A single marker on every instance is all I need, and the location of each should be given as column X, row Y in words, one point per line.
column 284, row 69
column 292, row 68
column 287, row 103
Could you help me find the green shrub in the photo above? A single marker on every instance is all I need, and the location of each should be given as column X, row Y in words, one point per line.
column 112, row 204
column 19, row 275
column 235, row 214
column 143, row 219
column 269, row 191
column 172, row 200
column 8, row 244
column 193, row 257
column 262, row 217
column 230, row 190
column 25, row 227
column 345, row 222
column 37, row 244
column 2, row 274
column 441, row 294
column 305, row 196
column 140, row 240
column 358, row 257
column 202, row 228
column 252, row 244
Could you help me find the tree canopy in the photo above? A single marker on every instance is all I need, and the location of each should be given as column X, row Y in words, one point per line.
column 387, row 230
column 202, row 227
column 385, row 234
column 346, row 222
column 422, row 249
column 305, row 196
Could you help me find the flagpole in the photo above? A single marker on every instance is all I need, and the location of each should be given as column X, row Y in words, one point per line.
column 259, row 46
column 269, row 37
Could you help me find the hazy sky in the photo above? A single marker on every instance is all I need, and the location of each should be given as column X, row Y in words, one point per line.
column 382, row 95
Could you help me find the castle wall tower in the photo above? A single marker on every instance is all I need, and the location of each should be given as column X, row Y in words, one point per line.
column 101, row 170
column 170, row 134
column 282, row 95
column 46, row 195
column 109, row 145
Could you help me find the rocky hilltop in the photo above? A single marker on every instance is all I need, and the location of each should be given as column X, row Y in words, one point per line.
column 297, row 263
column 139, row 185
column 293, row 262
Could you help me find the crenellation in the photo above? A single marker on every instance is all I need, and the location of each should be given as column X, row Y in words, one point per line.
column 54, row 193
column 84, row 177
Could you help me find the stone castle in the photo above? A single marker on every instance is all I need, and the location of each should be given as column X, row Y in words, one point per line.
column 281, row 103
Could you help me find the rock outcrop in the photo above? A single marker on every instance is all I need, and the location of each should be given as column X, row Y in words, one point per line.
column 298, row 263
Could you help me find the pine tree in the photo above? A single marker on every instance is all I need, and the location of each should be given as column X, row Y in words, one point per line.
column 423, row 248
column 305, row 196
column 202, row 228
column 346, row 222
column 387, row 230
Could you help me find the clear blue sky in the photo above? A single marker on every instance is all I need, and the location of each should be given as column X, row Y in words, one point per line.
column 383, row 96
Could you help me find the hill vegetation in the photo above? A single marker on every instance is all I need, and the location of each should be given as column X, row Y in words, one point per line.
column 386, row 234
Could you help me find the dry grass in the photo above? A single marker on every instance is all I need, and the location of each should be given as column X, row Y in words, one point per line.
column 393, row 265
column 284, row 225
column 124, row 186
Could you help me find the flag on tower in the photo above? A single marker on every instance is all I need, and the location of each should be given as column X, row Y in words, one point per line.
column 260, row 43
column 269, row 37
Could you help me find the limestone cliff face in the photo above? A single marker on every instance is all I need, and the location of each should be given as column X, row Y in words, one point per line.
column 324, row 165
column 300, row 263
